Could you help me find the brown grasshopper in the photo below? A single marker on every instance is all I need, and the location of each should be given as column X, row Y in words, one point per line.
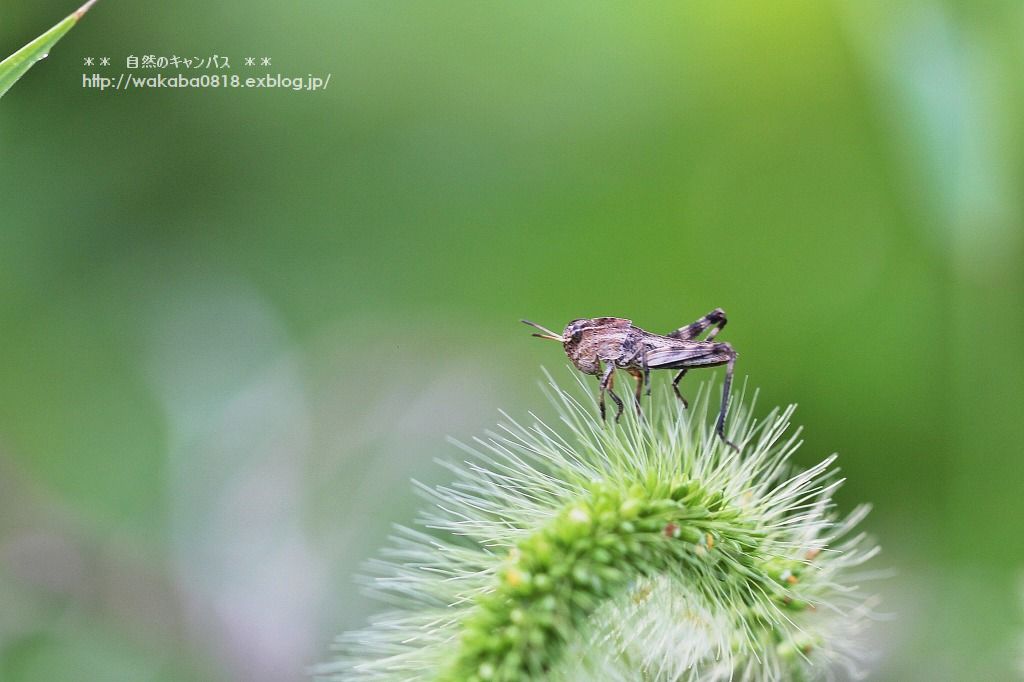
column 599, row 345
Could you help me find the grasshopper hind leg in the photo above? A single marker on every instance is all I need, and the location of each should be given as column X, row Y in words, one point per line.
column 715, row 319
column 675, row 387
column 726, row 386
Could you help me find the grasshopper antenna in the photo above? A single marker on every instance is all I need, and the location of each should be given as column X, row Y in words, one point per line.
column 548, row 334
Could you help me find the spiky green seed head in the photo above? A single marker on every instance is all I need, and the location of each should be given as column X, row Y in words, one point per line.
column 641, row 550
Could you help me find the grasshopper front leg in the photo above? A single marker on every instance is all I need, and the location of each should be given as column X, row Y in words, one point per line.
column 607, row 382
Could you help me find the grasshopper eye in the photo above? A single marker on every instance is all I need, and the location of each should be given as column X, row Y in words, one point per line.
column 574, row 332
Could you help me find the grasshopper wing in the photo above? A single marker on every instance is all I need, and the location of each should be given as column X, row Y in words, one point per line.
column 682, row 354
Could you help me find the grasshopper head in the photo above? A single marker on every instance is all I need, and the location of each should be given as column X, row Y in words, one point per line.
column 574, row 330
column 582, row 353
column 583, row 357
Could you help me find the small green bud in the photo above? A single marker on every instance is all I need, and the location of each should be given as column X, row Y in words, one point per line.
column 580, row 575
column 542, row 582
column 630, row 508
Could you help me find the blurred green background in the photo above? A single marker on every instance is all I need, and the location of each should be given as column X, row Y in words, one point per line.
column 233, row 324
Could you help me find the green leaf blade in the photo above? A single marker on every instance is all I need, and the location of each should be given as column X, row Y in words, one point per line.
column 15, row 66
